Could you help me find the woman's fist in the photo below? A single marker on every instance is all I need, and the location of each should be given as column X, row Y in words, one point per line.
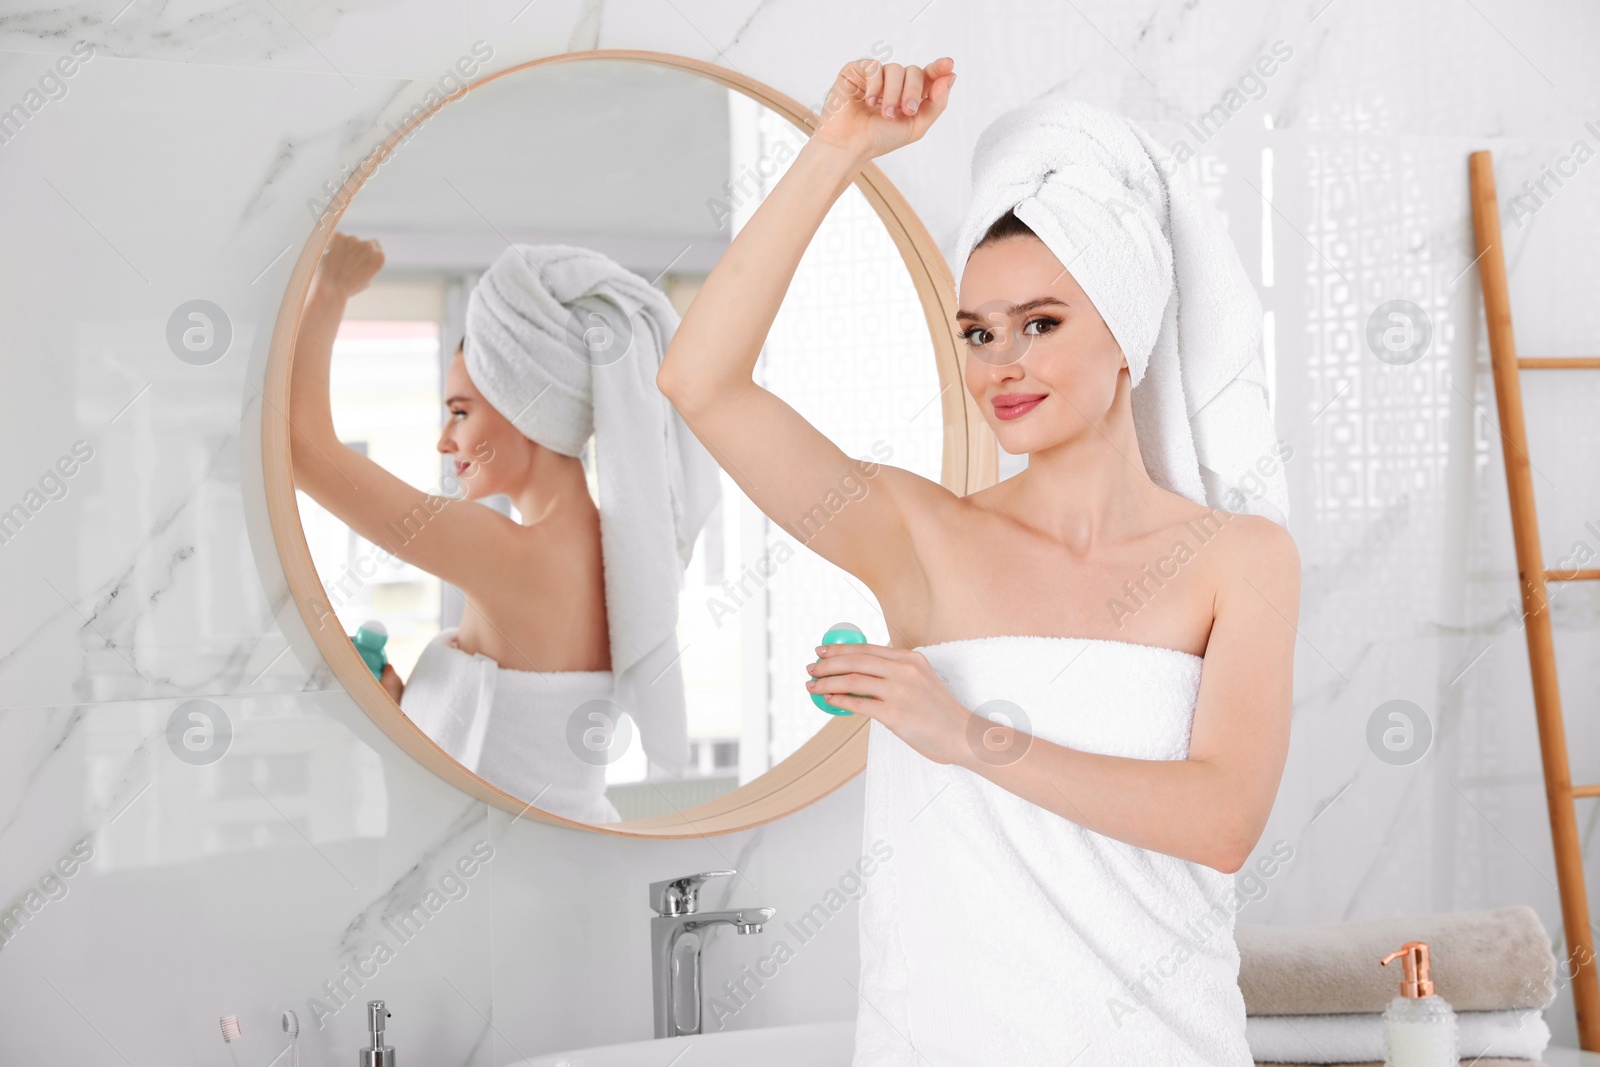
column 348, row 265
column 874, row 108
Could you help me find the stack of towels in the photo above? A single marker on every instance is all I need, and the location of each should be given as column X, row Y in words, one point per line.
column 1316, row 994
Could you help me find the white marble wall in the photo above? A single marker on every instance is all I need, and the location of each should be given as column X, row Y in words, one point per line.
column 177, row 166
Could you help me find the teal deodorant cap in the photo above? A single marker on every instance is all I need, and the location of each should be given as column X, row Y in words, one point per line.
column 369, row 641
column 840, row 633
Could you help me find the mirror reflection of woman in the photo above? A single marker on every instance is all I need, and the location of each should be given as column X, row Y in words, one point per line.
column 1075, row 838
column 535, row 641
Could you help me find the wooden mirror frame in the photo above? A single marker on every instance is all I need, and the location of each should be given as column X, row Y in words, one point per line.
column 838, row 750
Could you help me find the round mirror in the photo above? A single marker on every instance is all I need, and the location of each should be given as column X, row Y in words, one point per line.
column 506, row 542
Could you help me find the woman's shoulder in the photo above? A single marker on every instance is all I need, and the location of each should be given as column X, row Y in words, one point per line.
column 1249, row 549
column 509, row 562
column 939, row 499
column 1257, row 537
column 1229, row 545
column 917, row 496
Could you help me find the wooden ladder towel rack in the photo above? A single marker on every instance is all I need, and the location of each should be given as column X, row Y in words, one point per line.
column 1560, row 794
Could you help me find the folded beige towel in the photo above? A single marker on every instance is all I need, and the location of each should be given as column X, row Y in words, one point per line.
column 1480, row 961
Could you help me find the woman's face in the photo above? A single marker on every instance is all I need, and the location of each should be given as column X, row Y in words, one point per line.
column 1041, row 362
column 482, row 444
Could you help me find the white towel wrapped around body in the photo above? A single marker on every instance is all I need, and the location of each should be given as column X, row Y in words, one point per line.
column 510, row 727
column 1358, row 1038
column 995, row 932
column 563, row 341
column 1154, row 257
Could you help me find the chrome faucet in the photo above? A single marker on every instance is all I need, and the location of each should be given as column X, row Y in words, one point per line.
column 675, row 942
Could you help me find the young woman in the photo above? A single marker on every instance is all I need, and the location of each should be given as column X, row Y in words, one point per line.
column 1043, row 877
column 535, row 648
column 499, row 564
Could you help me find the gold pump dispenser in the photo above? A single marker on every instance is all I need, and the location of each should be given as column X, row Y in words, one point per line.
column 1415, row 964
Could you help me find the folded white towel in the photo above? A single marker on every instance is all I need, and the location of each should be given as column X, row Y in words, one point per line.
column 1154, row 256
column 564, row 341
column 1358, row 1038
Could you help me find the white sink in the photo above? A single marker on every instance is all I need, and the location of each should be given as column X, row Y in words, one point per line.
column 803, row 1045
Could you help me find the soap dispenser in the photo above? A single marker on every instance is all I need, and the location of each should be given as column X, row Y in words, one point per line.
column 379, row 1055
column 1419, row 1028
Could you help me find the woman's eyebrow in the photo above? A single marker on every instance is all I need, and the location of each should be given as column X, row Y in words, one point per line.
column 1038, row 301
column 457, row 400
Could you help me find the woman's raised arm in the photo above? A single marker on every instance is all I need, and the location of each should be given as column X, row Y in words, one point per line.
column 426, row 531
column 783, row 463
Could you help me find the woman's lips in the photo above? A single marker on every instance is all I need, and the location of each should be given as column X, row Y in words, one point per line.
column 462, row 465
column 1015, row 405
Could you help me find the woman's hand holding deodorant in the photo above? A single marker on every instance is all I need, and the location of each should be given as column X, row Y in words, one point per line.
column 840, row 633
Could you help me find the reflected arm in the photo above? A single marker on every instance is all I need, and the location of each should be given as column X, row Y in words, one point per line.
column 449, row 538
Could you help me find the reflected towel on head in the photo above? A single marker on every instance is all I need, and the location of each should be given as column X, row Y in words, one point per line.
column 1154, row 256
column 564, row 342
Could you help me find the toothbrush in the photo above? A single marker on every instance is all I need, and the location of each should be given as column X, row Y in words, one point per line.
column 291, row 1026
column 230, row 1034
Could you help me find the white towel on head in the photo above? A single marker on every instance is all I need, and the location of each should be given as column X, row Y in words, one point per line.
column 564, row 341
column 1153, row 255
